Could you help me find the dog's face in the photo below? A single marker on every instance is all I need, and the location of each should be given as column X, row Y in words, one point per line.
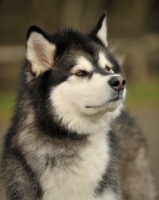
column 87, row 89
column 83, row 78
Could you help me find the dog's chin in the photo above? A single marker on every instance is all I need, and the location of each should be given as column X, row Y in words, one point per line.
column 109, row 106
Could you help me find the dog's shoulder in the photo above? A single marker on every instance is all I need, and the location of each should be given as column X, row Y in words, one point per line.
column 131, row 138
column 134, row 159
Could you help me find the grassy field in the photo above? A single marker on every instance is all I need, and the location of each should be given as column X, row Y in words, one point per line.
column 143, row 96
column 6, row 105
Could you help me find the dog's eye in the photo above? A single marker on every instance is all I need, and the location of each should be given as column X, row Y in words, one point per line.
column 108, row 69
column 81, row 73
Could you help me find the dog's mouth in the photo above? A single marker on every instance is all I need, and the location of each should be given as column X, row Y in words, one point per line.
column 115, row 99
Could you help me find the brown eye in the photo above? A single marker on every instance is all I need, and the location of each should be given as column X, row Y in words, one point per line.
column 107, row 68
column 81, row 73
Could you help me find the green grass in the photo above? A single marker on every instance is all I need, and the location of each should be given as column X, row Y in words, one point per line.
column 6, row 105
column 138, row 97
column 143, row 96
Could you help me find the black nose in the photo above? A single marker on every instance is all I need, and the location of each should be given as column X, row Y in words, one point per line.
column 117, row 83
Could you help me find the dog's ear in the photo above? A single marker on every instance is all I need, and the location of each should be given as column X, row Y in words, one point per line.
column 100, row 30
column 39, row 51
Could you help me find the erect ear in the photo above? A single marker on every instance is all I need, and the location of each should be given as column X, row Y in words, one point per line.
column 39, row 51
column 100, row 30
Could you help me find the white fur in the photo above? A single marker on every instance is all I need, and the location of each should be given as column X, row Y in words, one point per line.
column 103, row 61
column 78, row 180
column 102, row 33
column 40, row 53
column 108, row 195
column 82, row 64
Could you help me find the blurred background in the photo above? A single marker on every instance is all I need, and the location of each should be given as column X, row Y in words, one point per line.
column 133, row 35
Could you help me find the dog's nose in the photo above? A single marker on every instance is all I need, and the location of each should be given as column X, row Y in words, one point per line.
column 117, row 83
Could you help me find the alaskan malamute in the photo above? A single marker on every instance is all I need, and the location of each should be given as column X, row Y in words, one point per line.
column 61, row 144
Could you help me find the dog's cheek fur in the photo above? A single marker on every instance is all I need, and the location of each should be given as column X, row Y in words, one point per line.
column 69, row 101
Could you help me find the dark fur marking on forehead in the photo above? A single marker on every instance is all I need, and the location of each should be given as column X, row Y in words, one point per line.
column 66, row 37
column 76, row 42
column 72, row 40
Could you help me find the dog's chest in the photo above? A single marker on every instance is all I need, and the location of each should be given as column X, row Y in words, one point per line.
column 77, row 177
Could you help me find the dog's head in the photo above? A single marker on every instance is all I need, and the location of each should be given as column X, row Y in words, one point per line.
column 82, row 78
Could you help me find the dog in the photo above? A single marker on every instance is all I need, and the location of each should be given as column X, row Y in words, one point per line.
column 69, row 138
